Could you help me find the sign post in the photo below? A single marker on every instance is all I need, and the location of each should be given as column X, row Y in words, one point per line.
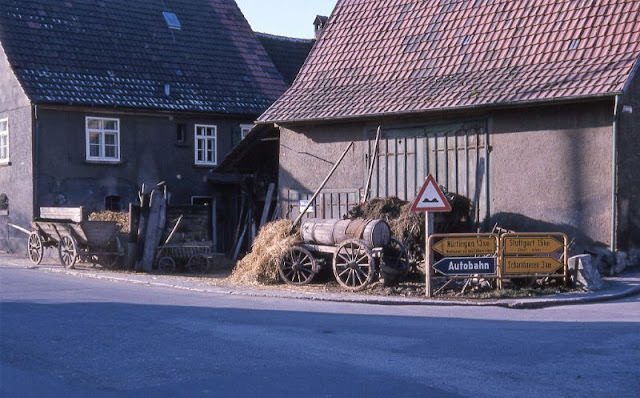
column 430, row 199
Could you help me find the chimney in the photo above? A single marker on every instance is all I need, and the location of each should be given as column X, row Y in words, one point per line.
column 319, row 23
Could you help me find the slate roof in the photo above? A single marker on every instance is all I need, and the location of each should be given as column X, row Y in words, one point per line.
column 122, row 53
column 404, row 56
column 288, row 54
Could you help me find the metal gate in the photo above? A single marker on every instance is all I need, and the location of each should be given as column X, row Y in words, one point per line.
column 456, row 155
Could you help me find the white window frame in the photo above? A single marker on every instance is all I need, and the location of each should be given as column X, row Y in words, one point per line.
column 204, row 144
column 244, row 130
column 4, row 142
column 102, row 132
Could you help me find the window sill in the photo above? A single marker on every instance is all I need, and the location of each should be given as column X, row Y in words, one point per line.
column 105, row 162
column 5, row 163
column 205, row 166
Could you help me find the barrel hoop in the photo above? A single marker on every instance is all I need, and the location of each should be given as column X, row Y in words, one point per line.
column 356, row 228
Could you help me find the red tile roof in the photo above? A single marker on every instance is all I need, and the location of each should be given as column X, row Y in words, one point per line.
column 405, row 56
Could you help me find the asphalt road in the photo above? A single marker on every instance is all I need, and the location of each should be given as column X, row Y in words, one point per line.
column 68, row 336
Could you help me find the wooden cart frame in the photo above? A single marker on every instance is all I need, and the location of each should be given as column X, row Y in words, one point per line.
column 355, row 264
column 75, row 238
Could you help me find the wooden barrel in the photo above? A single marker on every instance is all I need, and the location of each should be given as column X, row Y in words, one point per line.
column 330, row 232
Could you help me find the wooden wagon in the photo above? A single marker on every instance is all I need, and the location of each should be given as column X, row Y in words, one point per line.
column 192, row 256
column 75, row 238
column 359, row 249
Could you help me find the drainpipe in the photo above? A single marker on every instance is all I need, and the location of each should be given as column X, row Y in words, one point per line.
column 614, row 173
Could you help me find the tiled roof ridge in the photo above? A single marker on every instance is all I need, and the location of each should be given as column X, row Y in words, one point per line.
column 284, row 38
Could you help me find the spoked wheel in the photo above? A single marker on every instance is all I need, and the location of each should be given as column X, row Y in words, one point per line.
column 36, row 250
column 395, row 262
column 353, row 264
column 198, row 264
column 166, row 264
column 68, row 251
column 297, row 266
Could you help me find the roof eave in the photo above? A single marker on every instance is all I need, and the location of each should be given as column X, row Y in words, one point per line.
column 476, row 107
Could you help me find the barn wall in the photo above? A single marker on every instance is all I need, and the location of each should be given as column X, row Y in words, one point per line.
column 629, row 166
column 307, row 154
column 15, row 177
column 551, row 170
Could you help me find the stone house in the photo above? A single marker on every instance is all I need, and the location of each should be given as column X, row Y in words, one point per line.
column 100, row 98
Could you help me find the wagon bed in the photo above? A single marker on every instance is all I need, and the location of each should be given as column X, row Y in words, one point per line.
column 76, row 238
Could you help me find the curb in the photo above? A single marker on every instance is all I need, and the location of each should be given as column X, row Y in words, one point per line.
column 533, row 303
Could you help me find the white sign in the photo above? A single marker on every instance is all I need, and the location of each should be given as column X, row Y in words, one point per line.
column 303, row 204
column 430, row 198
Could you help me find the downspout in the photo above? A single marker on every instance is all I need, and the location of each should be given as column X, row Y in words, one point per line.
column 34, row 161
column 614, row 173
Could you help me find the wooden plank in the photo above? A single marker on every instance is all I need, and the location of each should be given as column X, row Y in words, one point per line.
column 75, row 214
column 267, row 204
column 155, row 227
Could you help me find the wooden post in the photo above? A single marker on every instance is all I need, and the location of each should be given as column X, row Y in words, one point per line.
column 373, row 159
column 267, row 204
column 326, row 179
column 428, row 230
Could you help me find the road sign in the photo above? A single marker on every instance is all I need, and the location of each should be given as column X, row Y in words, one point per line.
column 466, row 246
column 464, row 266
column 430, row 198
column 531, row 245
column 531, row 265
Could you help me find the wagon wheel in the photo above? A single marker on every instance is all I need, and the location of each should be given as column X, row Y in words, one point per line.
column 353, row 264
column 35, row 247
column 395, row 262
column 297, row 266
column 166, row 264
column 68, row 251
column 198, row 264
column 109, row 261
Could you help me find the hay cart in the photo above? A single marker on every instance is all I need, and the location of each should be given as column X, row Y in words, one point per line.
column 193, row 256
column 359, row 249
column 75, row 238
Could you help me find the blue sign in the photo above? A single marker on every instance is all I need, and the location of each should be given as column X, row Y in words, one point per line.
column 465, row 266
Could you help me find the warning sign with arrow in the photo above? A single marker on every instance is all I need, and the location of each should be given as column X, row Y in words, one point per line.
column 430, row 198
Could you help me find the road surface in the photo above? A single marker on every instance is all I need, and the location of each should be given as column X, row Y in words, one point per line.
column 68, row 336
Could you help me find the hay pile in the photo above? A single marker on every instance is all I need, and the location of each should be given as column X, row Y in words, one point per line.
column 261, row 264
column 122, row 219
column 405, row 225
column 408, row 226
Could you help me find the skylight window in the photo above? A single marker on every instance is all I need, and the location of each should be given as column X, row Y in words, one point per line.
column 172, row 20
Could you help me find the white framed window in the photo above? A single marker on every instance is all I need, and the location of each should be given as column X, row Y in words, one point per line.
column 103, row 139
column 4, row 141
column 244, row 130
column 205, row 145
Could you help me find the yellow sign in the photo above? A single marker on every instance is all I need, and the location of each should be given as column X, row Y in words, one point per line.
column 531, row 265
column 466, row 246
column 531, row 245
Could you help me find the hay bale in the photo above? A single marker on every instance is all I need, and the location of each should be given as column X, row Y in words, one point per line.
column 120, row 218
column 260, row 265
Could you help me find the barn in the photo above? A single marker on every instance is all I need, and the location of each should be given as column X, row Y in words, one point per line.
column 531, row 109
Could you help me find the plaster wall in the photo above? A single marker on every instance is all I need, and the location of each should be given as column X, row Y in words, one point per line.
column 551, row 170
column 549, row 167
column 16, row 175
column 629, row 166
column 150, row 153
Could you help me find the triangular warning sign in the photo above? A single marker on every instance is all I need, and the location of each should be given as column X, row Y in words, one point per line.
column 430, row 198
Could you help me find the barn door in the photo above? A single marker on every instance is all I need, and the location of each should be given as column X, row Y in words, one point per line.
column 456, row 155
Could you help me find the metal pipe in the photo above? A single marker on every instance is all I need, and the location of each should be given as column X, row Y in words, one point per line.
column 614, row 173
